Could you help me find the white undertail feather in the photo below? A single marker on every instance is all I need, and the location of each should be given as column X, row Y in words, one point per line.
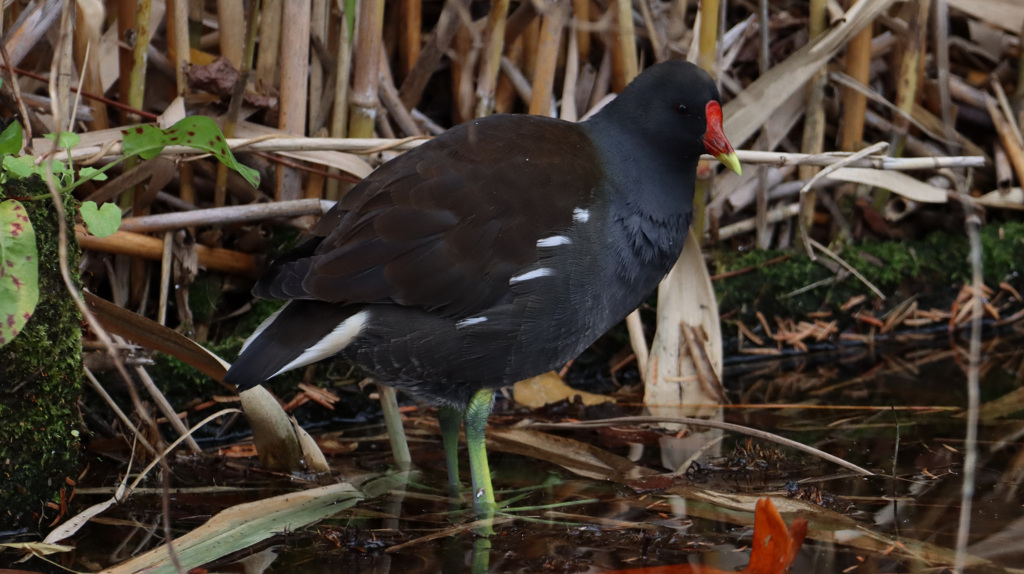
column 330, row 345
column 580, row 215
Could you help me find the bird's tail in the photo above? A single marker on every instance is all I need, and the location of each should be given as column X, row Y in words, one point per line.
column 300, row 333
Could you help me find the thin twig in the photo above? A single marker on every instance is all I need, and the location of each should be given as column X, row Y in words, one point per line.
column 709, row 424
column 847, row 266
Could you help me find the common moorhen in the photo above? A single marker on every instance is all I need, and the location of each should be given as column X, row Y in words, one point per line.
column 495, row 252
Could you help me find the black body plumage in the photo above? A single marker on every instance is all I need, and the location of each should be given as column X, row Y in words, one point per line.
column 497, row 251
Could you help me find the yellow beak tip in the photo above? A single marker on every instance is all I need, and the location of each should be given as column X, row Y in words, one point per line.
column 731, row 161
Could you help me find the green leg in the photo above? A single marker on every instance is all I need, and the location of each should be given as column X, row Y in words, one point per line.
column 450, row 419
column 476, row 424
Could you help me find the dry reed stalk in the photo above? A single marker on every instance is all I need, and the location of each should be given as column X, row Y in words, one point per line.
column 581, row 14
column 146, row 247
column 505, row 91
column 178, row 46
column 409, row 39
column 318, row 75
column 707, row 53
column 531, row 37
column 366, row 68
column 814, row 119
column 270, row 45
column 490, row 61
column 1007, row 136
column 89, row 20
column 125, row 22
column 624, row 62
column 339, row 110
column 463, row 63
column 547, row 57
column 858, row 67
column 237, row 94
column 294, row 73
column 231, row 25
column 909, row 79
column 431, row 52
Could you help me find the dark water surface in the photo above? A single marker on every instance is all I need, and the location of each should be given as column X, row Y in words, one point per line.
column 898, row 413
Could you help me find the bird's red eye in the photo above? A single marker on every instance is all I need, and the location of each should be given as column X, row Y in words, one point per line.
column 681, row 109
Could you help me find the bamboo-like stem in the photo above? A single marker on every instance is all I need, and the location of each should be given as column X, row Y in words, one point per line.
column 178, row 46
column 138, row 276
column 624, row 46
column 270, row 45
column 146, row 247
column 463, row 64
column 547, row 57
column 125, row 21
column 581, row 14
column 814, row 119
column 858, row 67
column 339, row 112
column 235, row 106
column 317, row 76
column 910, row 70
column 708, row 47
column 89, row 20
column 294, row 71
column 490, row 62
column 363, row 100
column 231, row 25
column 409, row 50
column 431, row 52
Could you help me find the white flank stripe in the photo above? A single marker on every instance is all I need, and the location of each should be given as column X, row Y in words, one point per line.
column 554, row 241
column 470, row 321
column 580, row 215
column 263, row 327
column 542, row 272
column 335, row 341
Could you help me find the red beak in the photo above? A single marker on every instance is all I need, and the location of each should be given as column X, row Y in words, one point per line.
column 714, row 138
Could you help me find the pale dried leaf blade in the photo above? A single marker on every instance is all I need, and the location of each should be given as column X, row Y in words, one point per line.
column 549, row 388
column 242, row 526
column 272, row 431
column 745, row 114
column 685, row 296
column 578, row 457
column 1005, row 14
column 894, row 181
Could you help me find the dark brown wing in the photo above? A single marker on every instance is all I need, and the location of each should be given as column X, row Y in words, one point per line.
column 444, row 226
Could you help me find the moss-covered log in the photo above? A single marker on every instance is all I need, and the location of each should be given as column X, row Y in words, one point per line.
column 40, row 383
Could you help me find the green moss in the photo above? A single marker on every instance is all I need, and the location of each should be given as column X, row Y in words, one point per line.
column 932, row 268
column 40, row 374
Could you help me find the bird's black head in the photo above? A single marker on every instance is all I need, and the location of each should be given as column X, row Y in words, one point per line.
column 674, row 105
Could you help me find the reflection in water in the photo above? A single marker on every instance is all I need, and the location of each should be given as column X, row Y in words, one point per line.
column 897, row 413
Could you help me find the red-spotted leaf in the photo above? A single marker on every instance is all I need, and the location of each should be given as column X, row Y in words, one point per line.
column 102, row 221
column 19, row 270
column 199, row 132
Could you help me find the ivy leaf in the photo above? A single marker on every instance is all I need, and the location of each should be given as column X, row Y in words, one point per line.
column 19, row 270
column 64, row 139
column 20, row 166
column 10, row 139
column 198, row 132
column 103, row 221
column 92, row 173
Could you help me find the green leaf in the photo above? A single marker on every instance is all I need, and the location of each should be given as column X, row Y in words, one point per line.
column 20, row 166
column 92, row 173
column 19, row 270
column 199, row 132
column 103, row 221
column 64, row 139
column 10, row 139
